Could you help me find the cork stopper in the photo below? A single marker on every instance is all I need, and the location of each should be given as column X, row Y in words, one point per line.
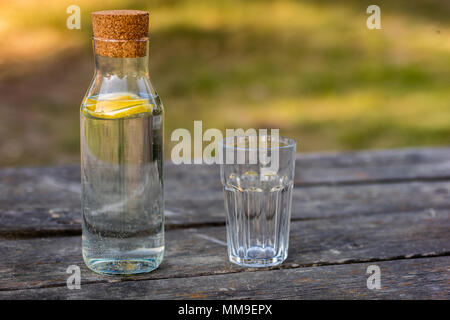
column 120, row 33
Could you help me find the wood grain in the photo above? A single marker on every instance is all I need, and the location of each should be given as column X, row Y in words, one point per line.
column 402, row 279
column 390, row 208
column 48, row 210
column 336, row 168
column 38, row 201
column 32, row 263
column 46, row 201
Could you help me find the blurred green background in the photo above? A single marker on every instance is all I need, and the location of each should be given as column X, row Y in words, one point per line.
column 310, row 68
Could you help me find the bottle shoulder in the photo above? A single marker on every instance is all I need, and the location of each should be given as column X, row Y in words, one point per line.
column 121, row 95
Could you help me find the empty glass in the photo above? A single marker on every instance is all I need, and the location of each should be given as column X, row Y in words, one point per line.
column 258, row 176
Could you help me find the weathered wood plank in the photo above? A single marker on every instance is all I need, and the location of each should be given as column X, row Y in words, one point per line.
column 44, row 206
column 367, row 220
column 32, row 263
column 373, row 166
column 334, row 168
column 323, row 202
column 403, row 279
column 313, row 168
column 46, row 200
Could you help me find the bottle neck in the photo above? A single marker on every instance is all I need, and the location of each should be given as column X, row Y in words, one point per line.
column 122, row 58
column 122, row 67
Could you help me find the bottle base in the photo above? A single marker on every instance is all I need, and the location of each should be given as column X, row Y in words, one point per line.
column 123, row 266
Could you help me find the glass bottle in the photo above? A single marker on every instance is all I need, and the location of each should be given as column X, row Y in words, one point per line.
column 121, row 119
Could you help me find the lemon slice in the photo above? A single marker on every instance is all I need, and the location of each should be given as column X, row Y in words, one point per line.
column 116, row 106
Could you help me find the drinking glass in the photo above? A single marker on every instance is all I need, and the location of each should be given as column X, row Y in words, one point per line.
column 257, row 174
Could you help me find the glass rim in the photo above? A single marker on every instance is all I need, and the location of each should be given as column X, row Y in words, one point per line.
column 289, row 142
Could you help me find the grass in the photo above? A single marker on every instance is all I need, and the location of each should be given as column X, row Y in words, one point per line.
column 310, row 68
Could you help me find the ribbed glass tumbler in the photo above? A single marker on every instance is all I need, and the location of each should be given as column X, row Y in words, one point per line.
column 257, row 174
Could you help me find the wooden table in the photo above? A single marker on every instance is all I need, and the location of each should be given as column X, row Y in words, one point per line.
column 350, row 211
